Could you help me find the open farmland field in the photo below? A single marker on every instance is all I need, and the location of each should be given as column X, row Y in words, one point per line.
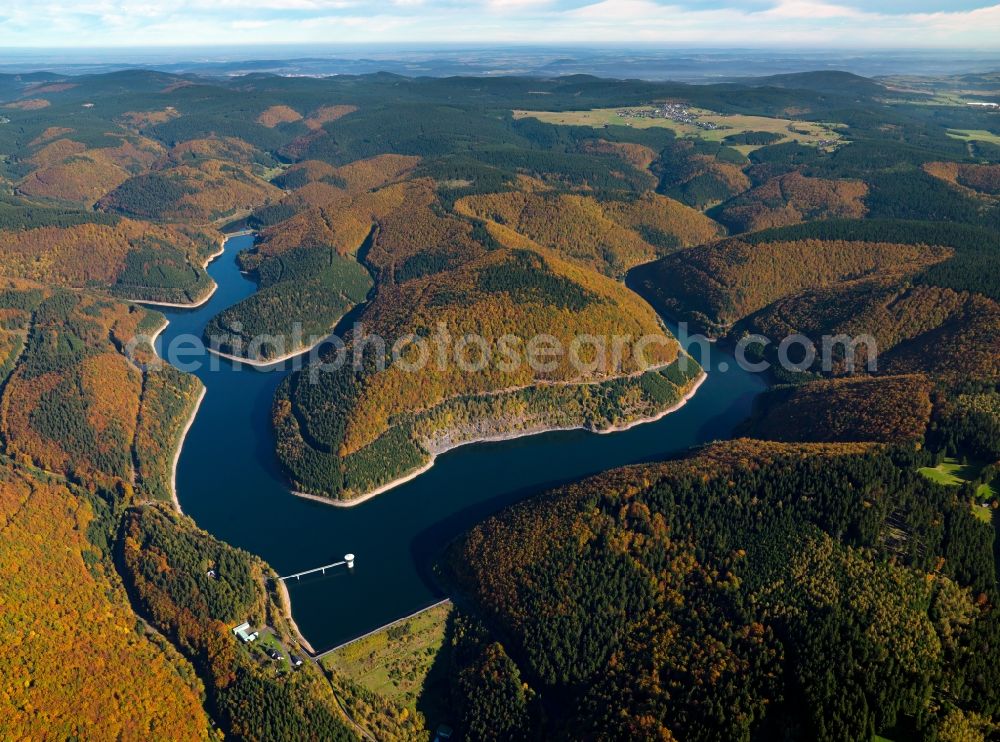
column 803, row 132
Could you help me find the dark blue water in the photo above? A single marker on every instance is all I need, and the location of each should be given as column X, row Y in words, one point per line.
column 230, row 482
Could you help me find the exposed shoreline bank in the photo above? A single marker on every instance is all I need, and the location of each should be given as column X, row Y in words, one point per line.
column 677, row 405
column 267, row 363
column 201, row 396
column 178, row 305
column 270, row 361
column 187, row 426
column 180, row 447
column 157, row 333
column 286, row 607
column 200, row 302
column 414, row 473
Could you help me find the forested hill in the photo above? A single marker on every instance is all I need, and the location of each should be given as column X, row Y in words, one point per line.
column 832, row 81
column 753, row 591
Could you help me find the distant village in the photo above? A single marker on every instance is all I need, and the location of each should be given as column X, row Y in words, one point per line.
column 678, row 112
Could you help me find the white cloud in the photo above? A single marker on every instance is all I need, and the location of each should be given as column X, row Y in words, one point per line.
column 800, row 23
column 814, row 9
column 983, row 19
column 516, row 5
column 623, row 10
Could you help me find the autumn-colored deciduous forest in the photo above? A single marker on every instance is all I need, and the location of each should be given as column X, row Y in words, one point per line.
column 79, row 663
column 723, row 282
column 884, row 409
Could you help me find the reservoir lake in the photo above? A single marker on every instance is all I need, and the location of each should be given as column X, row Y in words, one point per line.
column 229, row 480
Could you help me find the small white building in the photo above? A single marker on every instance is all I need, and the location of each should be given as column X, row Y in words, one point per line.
column 244, row 633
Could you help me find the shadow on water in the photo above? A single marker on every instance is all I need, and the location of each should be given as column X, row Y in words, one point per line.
column 230, row 481
column 427, row 545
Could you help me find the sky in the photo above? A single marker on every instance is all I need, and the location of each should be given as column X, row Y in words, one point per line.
column 882, row 24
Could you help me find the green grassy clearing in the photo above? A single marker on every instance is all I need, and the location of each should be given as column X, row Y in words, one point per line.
column 804, row 132
column 983, row 513
column 976, row 135
column 270, row 173
column 952, row 472
column 396, row 662
column 268, row 641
